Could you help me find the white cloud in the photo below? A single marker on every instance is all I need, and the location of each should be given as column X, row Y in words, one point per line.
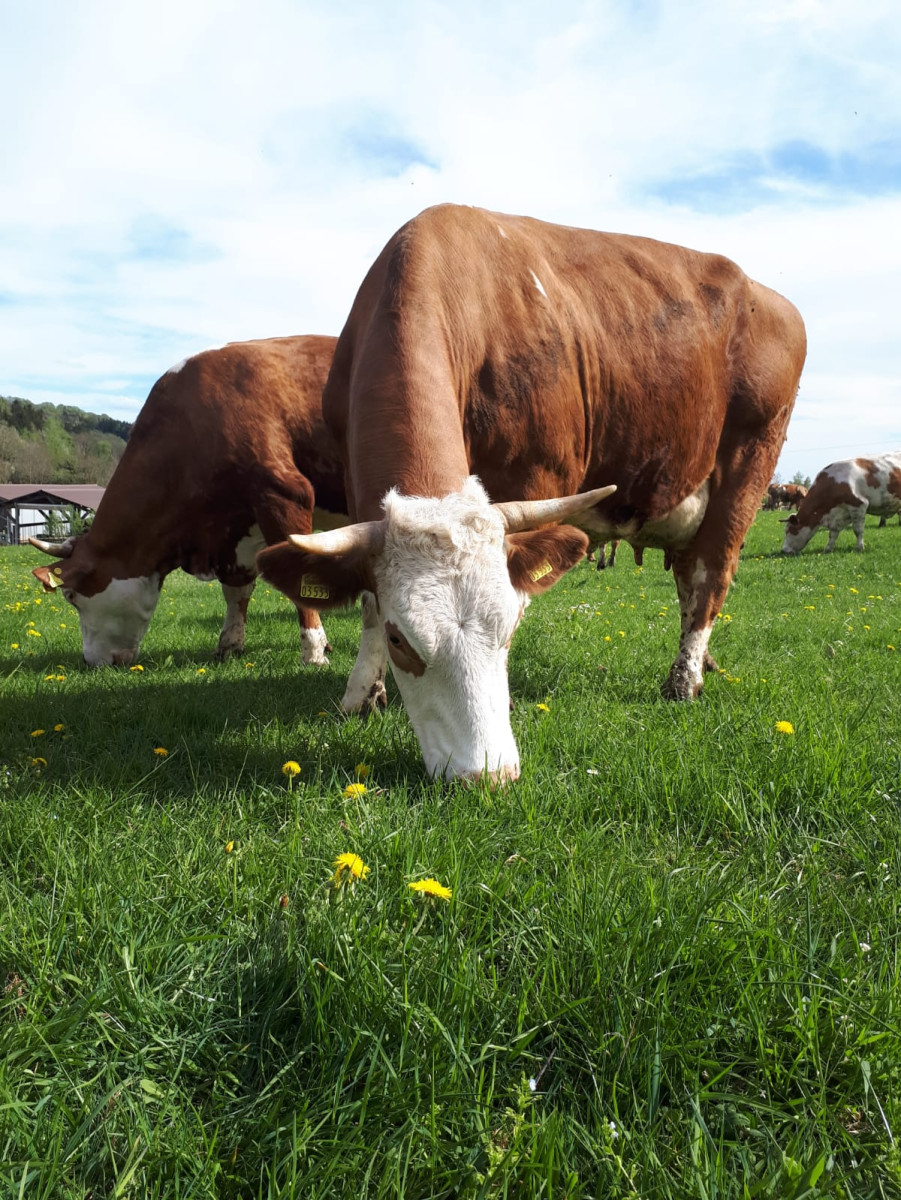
column 269, row 152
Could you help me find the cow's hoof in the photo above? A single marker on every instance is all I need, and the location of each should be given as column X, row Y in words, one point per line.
column 681, row 684
column 225, row 652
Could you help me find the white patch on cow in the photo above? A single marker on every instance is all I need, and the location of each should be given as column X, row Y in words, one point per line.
column 443, row 581
column 366, row 686
column 312, row 647
column 114, row 621
column 501, row 232
column 692, row 653
column 182, row 362
column 677, row 528
column 247, row 549
column 537, row 283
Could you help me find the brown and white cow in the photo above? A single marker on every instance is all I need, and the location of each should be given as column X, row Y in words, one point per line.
column 543, row 360
column 775, row 497
column 840, row 498
column 223, row 459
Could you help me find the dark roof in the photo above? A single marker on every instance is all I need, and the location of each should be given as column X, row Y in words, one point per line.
column 85, row 495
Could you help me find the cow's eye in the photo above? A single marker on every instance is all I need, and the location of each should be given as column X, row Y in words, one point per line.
column 394, row 639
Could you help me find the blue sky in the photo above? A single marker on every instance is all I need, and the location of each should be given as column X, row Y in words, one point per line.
column 183, row 174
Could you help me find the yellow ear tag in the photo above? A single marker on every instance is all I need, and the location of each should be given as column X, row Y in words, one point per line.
column 540, row 572
column 55, row 577
column 311, row 590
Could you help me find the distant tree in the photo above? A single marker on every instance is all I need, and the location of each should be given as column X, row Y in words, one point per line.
column 801, row 479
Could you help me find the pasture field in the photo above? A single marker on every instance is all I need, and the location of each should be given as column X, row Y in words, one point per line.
column 669, row 966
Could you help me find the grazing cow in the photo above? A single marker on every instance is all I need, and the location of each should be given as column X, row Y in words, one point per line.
column 543, row 360
column 842, row 495
column 223, row 459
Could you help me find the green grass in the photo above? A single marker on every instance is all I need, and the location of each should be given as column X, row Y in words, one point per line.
column 681, row 924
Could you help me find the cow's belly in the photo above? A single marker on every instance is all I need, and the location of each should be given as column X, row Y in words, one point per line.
column 672, row 531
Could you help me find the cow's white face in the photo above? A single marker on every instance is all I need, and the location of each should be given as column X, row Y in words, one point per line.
column 449, row 611
column 796, row 536
column 114, row 621
column 452, row 577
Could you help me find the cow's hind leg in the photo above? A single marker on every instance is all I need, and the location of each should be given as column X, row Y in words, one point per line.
column 365, row 690
column 231, row 639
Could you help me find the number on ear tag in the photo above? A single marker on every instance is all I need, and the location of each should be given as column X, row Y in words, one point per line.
column 311, row 590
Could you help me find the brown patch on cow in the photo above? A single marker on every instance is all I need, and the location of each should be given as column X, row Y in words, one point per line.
column 824, row 495
column 894, row 483
column 401, row 652
column 871, row 473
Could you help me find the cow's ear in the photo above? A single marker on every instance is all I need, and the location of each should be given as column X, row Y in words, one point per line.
column 538, row 558
column 316, row 580
column 50, row 577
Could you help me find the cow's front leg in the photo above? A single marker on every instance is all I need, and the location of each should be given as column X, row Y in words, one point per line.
column 314, row 645
column 365, row 691
column 231, row 639
column 702, row 588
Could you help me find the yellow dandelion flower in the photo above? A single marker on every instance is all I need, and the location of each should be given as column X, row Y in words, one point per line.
column 348, row 867
column 249, row 666
column 543, row 707
column 361, row 770
column 854, row 591
column 201, row 670
column 14, row 645
column 431, row 887
column 50, row 677
column 229, row 846
column 60, row 678
column 784, row 727
column 889, row 646
column 161, row 751
column 137, row 667
column 59, row 728
column 39, row 762
column 355, row 789
column 38, row 732
column 32, row 633
column 291, row 768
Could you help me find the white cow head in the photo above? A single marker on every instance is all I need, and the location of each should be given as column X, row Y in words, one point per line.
column 452, row 578
column 113, row 613
column 796, row 536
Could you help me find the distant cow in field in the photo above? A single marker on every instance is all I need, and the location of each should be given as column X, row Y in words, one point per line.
column 775, row 497
column 492, row 361
column 784, row 495
column 223, row 459
column 842, row 495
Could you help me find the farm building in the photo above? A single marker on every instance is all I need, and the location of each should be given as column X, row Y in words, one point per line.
column 43, row 509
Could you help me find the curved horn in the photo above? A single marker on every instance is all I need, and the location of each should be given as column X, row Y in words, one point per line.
column 518, row 515
column 57, row 549
column 367, row 535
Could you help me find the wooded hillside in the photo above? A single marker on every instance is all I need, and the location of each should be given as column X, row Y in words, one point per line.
column 57, row 443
